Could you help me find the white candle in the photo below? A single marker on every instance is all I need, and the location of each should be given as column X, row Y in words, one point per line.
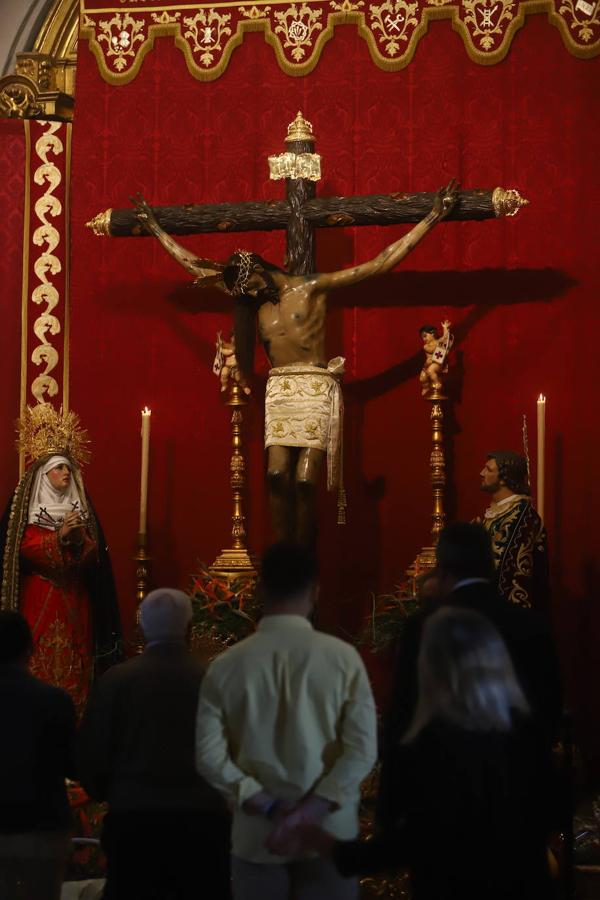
column 541, row 440
column 146, row 413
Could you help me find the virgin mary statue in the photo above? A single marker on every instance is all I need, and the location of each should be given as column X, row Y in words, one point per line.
column 55, row 565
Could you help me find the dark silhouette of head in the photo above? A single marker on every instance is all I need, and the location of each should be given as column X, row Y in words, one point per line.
column 288, row 574
column 464, row 550
column 428, row 329
column 512, row 470
column 16, row 642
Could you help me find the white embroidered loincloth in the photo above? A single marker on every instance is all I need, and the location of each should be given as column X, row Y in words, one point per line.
column 304, row 408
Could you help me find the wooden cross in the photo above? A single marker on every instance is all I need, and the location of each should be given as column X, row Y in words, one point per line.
column 302, row 211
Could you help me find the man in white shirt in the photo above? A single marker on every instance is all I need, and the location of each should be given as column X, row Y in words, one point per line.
column 286, row 732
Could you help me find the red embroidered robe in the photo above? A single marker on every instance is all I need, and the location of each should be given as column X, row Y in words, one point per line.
column 55, row 603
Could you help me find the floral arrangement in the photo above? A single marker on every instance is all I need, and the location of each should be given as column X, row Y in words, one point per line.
column 389, row 614
column 224, row 611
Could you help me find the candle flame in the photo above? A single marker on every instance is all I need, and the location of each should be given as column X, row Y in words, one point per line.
column 146, row 411
column 541, row 399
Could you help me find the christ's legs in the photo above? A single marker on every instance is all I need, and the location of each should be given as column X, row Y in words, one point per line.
column 281, row 500
column 293, row 506
column 307, row 477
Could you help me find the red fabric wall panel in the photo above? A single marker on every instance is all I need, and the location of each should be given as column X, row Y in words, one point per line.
column 521, row 293
column 12, row 186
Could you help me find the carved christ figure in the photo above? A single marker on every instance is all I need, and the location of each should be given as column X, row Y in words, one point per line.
column 303, row 397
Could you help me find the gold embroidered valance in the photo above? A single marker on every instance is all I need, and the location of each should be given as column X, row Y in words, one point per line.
column 121, row 35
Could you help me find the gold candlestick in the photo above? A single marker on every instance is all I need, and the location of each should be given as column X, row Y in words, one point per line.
column 143, row 567
column 426, row 560
column 236, row 561
column 436, row 350
column 142, row 572
column 437, row 462
column 141, row 558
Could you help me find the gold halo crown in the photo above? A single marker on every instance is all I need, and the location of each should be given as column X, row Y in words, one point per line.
column 43, row 431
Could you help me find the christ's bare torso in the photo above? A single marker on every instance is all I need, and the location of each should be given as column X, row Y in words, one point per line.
column 293, row 330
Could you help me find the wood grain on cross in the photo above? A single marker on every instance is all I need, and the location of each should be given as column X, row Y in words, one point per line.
column 302, row 211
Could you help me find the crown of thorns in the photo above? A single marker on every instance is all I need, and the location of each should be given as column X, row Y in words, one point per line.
column 245, row 268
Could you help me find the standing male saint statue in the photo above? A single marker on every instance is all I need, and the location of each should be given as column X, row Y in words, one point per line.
column 516, row 530
column 303, row 398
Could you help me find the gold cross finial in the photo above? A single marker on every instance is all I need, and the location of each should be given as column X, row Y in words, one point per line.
column 507, row 202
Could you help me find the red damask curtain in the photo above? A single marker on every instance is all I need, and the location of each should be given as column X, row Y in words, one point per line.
column 12, row 205
column 522, row 295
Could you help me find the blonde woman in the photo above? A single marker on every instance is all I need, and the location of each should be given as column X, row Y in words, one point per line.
column 472, row 781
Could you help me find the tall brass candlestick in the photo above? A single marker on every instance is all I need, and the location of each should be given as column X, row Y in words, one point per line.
column 426, row 560
column 437, row 463
column 236, row 560
column 436, row 350
column 142, row 571
column 141, row 557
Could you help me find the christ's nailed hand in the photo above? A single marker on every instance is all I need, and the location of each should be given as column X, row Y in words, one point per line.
column 143, row 212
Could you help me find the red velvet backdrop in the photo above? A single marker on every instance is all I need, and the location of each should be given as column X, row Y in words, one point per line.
column 522, row 294
column 12, row 200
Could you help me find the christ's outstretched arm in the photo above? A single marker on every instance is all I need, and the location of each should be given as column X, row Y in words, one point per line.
column 394, row 253
column 204, row 270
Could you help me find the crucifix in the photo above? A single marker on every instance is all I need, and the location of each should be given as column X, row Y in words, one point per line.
column 303, row 400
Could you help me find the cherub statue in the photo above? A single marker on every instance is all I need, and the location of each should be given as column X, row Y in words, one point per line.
column 225, row 365
column 436, row 356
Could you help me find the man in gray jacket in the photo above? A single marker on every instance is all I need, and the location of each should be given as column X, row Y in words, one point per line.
column 166, row 834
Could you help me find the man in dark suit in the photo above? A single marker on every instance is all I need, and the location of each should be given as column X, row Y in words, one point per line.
column 38, row 728
column 465, row 573
column 166, row 834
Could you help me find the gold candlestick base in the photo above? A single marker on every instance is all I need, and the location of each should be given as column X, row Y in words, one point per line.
column 230, row 564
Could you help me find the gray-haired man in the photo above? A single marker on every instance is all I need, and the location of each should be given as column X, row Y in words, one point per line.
column 137, row 753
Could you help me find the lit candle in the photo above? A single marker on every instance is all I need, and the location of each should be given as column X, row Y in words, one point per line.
column 146, row 413
column 541, row 440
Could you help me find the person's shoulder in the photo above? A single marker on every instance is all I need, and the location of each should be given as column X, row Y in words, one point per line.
column 120, row 672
